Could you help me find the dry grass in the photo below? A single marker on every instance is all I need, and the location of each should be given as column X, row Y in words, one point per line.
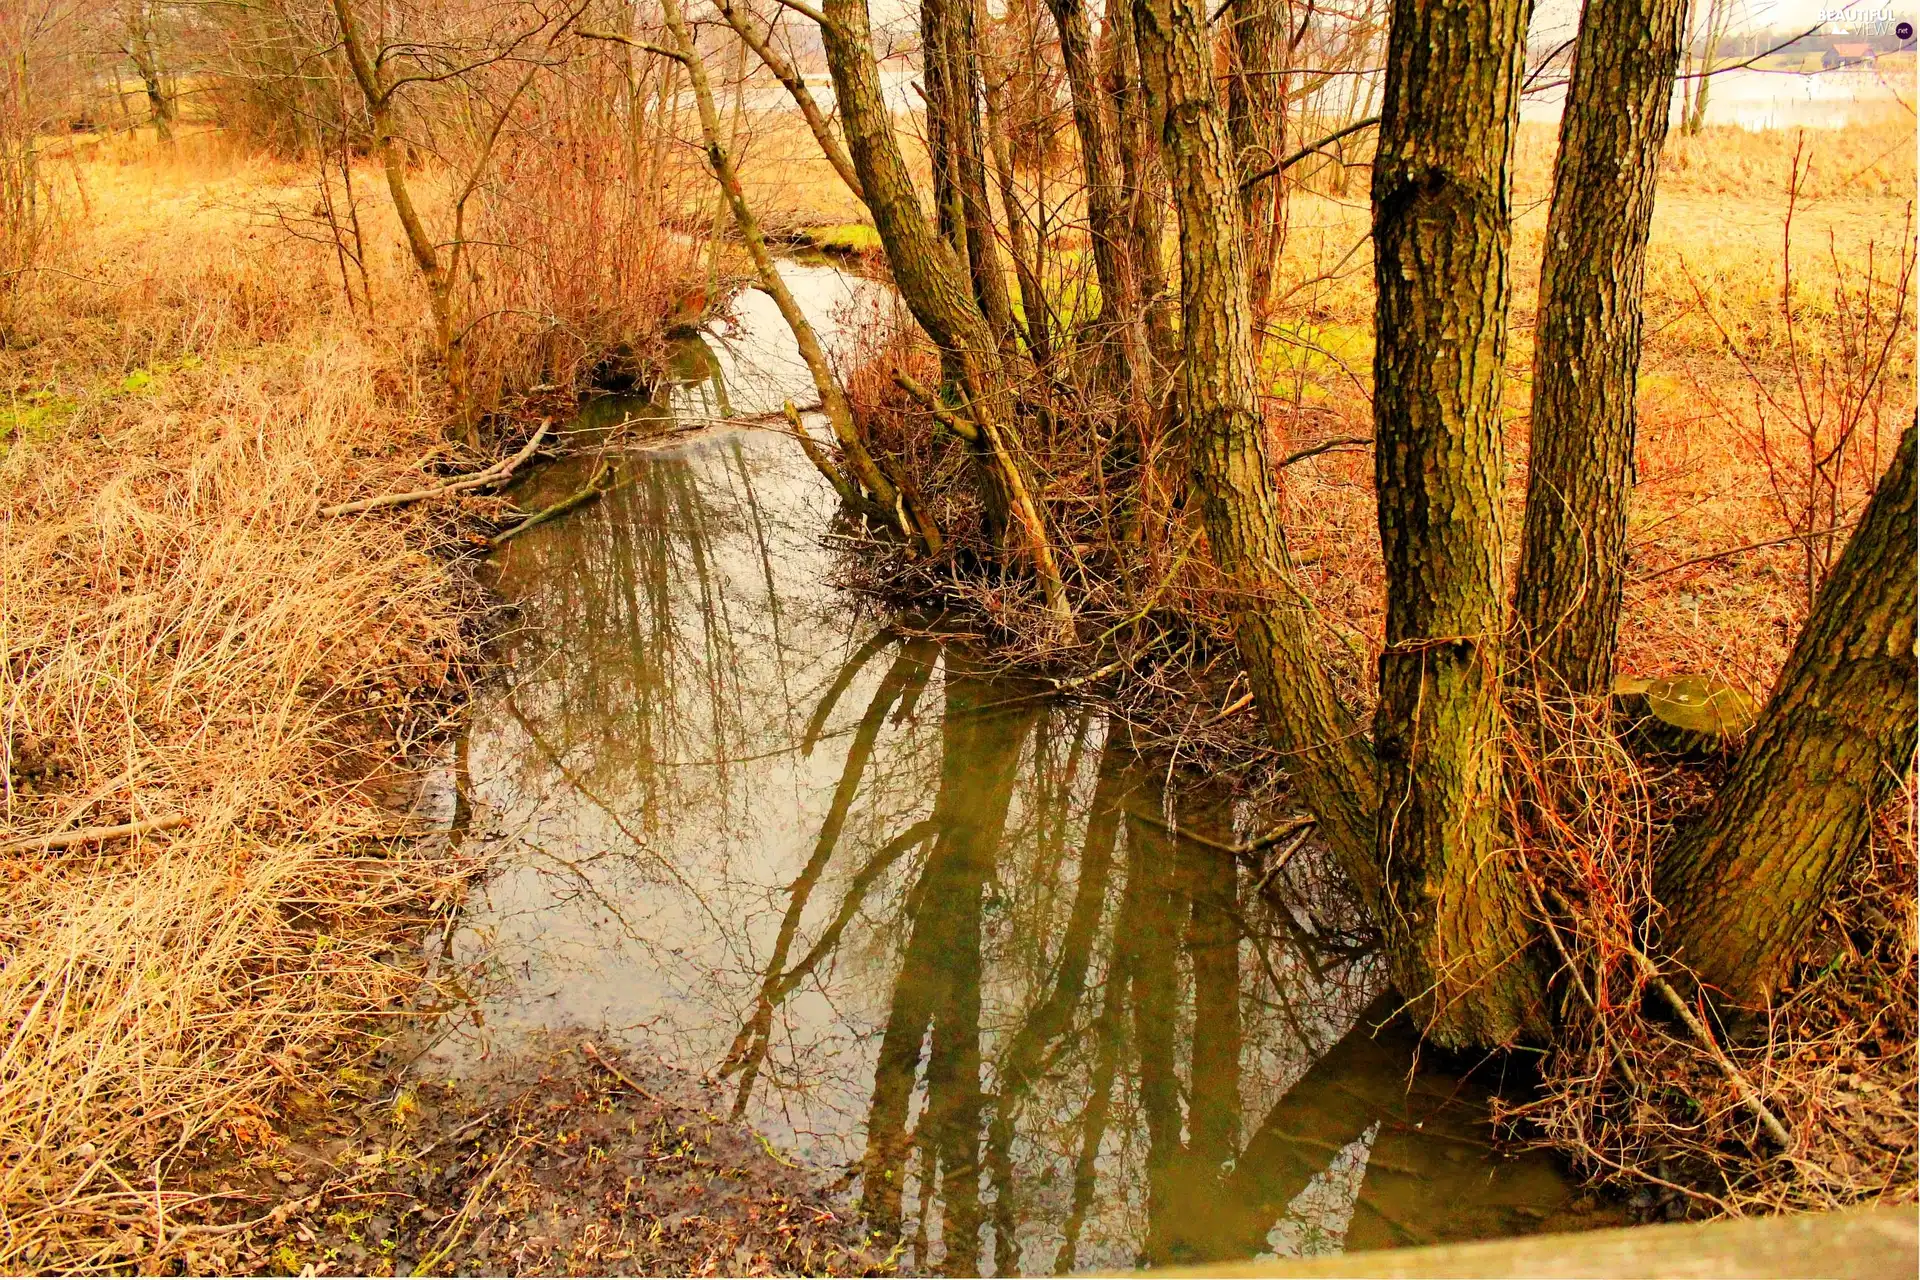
column 181, row 635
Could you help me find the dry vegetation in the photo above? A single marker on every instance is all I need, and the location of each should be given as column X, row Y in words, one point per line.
column 195, row 368
column 184, row 639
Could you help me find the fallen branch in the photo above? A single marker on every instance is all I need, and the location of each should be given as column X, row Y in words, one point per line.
column 494, row 474
column 450, row 1240
column 1279, row 864
column 95, row 835
column 586, row 1047
column 1325, row 446
column 601, row 482
column 1749, row 1096
column 1292, row 826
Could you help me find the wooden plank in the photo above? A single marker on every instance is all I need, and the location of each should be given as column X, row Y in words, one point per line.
column 1864, row 1243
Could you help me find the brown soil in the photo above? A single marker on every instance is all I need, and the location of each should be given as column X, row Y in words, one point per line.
column 563, row 1160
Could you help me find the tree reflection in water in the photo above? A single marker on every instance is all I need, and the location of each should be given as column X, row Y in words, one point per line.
column 929, row 926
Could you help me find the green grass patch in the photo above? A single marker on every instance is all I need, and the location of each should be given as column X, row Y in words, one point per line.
column 1318, row 361
column 844, row 237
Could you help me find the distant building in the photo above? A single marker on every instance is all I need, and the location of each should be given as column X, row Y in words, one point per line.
column 1847, row 54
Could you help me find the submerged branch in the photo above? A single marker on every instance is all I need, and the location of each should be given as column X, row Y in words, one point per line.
column 601, row 482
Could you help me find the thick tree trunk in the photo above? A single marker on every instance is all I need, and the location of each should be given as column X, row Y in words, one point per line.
column 1573, row 548
column 934, row 285
column 1835, row 741
column 1233, row 477
column 1455, row 925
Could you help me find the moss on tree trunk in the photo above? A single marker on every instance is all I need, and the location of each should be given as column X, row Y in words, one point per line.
column 1456, row 929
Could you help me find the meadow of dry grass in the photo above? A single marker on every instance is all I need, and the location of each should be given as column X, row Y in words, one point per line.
column 182, row 638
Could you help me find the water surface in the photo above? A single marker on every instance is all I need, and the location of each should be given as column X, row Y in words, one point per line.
column 928, row 926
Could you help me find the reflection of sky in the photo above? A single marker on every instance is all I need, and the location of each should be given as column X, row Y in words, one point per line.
column 705, row 758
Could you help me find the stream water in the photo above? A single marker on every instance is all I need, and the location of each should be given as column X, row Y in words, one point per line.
column 930, row 927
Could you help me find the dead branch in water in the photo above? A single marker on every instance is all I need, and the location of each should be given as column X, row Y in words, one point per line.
column 601, row 482
column 495, row 474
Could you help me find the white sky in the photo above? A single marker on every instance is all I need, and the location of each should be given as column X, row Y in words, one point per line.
column 1748, row 15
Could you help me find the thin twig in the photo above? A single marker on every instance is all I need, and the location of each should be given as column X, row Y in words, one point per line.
column 1751, row 546
column 587, row 1048
column 451, row 1239
column 96, row 835
column 1749, row 1096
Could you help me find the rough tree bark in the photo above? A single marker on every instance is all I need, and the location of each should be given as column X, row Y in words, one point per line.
column 1455, row 924
column 1134, row 138
column 935, row 288
column 1233, row 477
column 1257, row 120
column 1573, row 546
column 1836, row 739
column 950, row 75
column 1106, row 209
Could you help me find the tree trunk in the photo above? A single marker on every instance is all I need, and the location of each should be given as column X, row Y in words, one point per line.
column 426, row 254
column 1836, row 740
column 1574, row 544
column 1106, row 214
column 950, row 75
column 1037, row 324
column 761, row 42
column 1135, row 137
column 1716, row 28
column 1233, row 476
column 1454, row 921
column 1257, row 119
column 934, row 286
column 1121, row 325
column 144, row 53
column 865, row 486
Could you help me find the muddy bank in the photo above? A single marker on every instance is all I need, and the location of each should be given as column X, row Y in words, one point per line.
column 565, row 1158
